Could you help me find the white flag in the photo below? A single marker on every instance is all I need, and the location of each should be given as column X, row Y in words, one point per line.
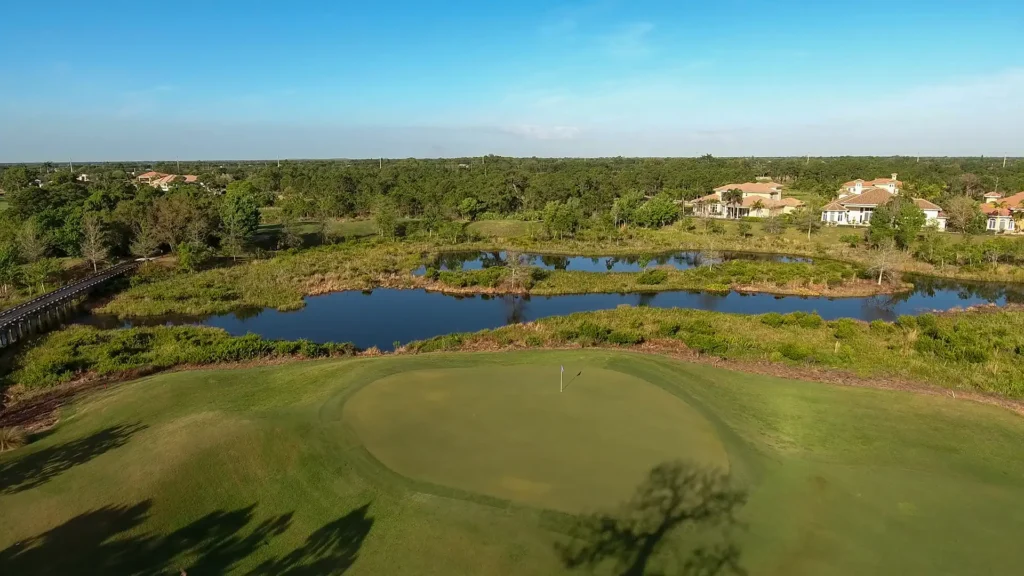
column 563, row 368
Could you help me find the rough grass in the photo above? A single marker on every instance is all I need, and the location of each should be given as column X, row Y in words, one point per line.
column 258, row 471
column 980, row 351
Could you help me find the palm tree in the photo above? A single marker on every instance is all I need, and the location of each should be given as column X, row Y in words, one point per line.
column 734, row 198
column 757, row 206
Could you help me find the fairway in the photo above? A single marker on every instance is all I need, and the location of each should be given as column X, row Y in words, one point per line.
column 508, row 432
column 476, row 464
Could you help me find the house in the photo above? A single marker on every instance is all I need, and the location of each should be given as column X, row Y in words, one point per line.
column 148, row 177
column 82, row 177
column 1000, row 211
column 164, row 181
column 892, row 185
column 760, row 199
column 859, row 199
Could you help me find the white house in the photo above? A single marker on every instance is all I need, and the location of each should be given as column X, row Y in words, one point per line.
column 999, row 211
column 760, row 199
column 859, row 198
column 892, row 185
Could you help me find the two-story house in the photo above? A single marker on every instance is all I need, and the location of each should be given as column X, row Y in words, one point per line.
column 759, row 199
column 859, row 199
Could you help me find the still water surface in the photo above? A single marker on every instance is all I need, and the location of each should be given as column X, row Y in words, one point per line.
column 382, row 317
column 636, row 263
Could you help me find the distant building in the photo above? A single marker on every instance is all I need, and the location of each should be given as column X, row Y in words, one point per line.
column 760, row 199
column 82, row 178
column 164, row 181
column 859, row 199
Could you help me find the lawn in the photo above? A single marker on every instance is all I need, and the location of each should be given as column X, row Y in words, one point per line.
column 281, row 469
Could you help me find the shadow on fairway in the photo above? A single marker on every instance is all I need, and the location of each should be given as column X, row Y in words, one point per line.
column 41, row 466
column 675, row 495
column 98, row 542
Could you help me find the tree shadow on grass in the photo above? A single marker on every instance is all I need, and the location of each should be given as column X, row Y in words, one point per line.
column 37, row 468
column 108, row 541
column 675, row 496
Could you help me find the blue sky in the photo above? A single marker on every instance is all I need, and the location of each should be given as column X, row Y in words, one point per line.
column 131, row 80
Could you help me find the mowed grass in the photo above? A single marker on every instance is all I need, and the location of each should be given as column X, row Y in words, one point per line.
column 265, row 470
column 508, row 432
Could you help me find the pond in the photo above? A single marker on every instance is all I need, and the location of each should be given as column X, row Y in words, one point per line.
column 634, row 263
column 382, row 317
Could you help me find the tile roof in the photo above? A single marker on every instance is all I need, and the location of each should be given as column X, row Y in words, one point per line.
column 191, row 178
column 869, row 197
column 756, row 187
column 152, row 174
column 926, row 205
column 1015, row 200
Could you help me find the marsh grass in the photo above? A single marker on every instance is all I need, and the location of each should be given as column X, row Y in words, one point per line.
column 977, row 350
column 71, row 353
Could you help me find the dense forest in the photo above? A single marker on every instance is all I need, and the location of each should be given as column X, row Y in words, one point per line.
column 52, row 212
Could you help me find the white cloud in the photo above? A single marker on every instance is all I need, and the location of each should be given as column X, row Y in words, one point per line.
column 630, row 41
column 544, row 132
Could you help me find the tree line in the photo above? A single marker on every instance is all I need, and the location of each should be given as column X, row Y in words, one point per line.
column 52, row 213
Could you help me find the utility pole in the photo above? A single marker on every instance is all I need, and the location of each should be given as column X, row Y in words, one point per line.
column 1004, row 161
column 70, row 165
column 278, row 161
column 380, row 165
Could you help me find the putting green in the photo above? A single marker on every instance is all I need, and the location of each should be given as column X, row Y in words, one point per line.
column 508, row 432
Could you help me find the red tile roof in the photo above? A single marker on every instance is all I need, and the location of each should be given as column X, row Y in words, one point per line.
column 752, row 187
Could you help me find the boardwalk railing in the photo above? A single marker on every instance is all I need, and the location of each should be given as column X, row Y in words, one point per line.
column 40, row 312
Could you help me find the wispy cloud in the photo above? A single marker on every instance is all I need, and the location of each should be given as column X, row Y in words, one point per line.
column 543, row 132
column 630, row 41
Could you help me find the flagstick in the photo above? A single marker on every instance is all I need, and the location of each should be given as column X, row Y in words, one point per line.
column 560, row 380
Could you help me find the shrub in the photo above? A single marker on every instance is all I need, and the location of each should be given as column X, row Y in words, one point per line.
column 625, row 337
column 592, row 332
column 534, row 340
column 773, row 319
column 794, row 352
column 651, row 277
column 743, row 228
column 906, row 322
column 716, row 227
column 845, row 329
column 880, row 326
column 667, row 329
column 706, row 344
column 805, row 320
column 699, row 327
column 853, row 240
column 11, row 438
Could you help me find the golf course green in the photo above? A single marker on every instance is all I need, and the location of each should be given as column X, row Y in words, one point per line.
column 478, row 464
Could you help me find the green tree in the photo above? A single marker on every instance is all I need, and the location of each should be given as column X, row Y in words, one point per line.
column 39, row 272
column 656, row 212
column 624, row 207
column 32, row 245
column 9, row 271
column 193, row 256
column 385, row 217
column 469, row 208
column 240, row 218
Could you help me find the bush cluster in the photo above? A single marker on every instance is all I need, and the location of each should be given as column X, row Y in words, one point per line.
column 67, row 354
column 801, row 319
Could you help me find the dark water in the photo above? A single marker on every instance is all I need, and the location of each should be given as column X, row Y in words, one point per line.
column 635, row 263
column 382, row 317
